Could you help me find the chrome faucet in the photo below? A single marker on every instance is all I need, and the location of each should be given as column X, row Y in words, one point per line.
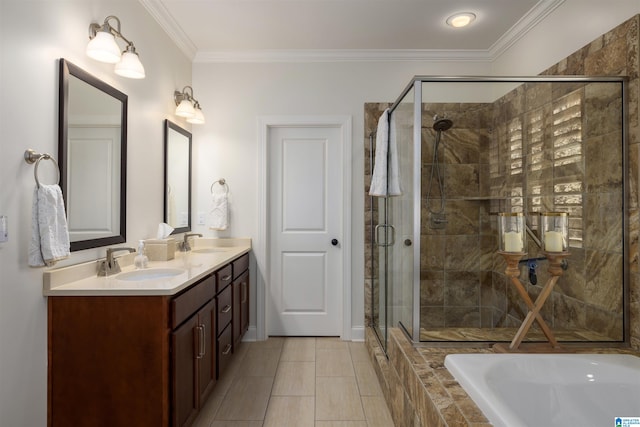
column 110, row 264
column 184, row 246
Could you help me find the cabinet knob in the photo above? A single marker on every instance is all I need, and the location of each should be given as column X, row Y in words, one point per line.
column 334, row 242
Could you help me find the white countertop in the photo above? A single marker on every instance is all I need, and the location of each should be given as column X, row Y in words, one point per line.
column 82, row 279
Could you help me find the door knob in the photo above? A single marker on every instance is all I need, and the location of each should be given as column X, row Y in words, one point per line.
column 334, row 242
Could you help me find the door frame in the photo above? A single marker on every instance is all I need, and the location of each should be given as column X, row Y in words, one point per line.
column 265, row 123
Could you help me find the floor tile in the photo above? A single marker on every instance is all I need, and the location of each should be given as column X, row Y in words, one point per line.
column 295, row 379
column 261, row 362
column 294, row 382
column 337, row 399
column 367, row 379
column 331, row 343
column 292, row 411
column 246, row 400
column 341, row 424
column 271, row 342
column 359, row 352
column 299, row 350
column 376, row 411
column 237, row 424
column 333, row 363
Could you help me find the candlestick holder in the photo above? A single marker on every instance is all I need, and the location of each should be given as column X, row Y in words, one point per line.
column 513, row 272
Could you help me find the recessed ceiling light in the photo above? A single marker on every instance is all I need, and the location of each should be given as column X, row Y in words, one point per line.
column 461, row 19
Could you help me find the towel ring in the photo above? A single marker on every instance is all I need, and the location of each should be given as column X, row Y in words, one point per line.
column 223, row 183
column 30, row 156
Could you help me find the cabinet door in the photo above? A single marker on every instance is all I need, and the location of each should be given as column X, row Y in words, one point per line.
column 206, row 354
column 240, row 307
column 184, row 347
column 244, row 303
column 237, row 313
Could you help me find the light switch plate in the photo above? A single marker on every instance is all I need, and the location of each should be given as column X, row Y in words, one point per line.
column 201, row 218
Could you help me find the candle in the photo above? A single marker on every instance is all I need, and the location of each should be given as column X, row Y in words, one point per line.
column 553, row 241
column 512, row 242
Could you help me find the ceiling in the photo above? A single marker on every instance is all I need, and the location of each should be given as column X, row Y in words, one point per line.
column 218, row 30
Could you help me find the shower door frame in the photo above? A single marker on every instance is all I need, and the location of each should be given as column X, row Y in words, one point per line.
column 416, row 85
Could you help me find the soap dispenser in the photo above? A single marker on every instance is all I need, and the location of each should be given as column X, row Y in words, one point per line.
column 141, row 260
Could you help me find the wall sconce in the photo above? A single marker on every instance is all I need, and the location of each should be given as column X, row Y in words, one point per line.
column 188, row 106
column 103, row 47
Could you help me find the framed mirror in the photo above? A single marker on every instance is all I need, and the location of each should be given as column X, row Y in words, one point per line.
column 92, row 154
column 177, row 177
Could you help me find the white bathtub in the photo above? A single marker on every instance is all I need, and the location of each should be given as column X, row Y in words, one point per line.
column 550, row 390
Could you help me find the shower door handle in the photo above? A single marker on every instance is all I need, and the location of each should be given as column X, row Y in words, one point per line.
column 390, row 231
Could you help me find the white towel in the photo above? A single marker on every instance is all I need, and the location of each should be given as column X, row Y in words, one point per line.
column 49, row 231
column 219, row 212
column 385, row 180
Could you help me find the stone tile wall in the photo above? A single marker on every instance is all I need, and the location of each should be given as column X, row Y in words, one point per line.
column 469, row 173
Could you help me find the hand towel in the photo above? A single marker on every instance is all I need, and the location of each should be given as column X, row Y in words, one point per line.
column 219, row 212
column 49, row 230
column 385, row 180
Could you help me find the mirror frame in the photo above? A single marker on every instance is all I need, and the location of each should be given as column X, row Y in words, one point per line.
column 168, row 127
column 68, row 70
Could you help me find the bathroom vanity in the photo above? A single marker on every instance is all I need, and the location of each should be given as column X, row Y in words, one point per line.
column 145, row 351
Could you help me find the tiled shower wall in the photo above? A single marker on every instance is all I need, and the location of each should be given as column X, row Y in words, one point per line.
column 456, row 260
column 614, row 53
column 557, row 147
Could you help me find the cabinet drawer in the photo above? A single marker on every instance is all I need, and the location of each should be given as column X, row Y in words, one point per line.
column 240, row 265
column 188, row 302
column 224, row 276
column 224, row 308
column 225, row 350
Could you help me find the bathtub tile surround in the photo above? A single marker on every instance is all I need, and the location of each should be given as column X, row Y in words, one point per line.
column 421, row 392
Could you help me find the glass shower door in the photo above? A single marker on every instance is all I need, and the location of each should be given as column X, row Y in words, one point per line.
column 393, row 232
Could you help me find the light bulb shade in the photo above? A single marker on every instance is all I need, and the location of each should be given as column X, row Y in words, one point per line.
column 198, row 117
column 103, row 48
column 185, row 109
column 130, row 66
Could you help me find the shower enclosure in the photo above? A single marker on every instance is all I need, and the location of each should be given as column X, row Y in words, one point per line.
column 471, row 147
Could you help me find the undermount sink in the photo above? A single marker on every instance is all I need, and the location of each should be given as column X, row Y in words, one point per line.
column 208, row 250
column 149, row 274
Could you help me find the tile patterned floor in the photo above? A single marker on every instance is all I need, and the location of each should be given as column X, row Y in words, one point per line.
column 297, row 382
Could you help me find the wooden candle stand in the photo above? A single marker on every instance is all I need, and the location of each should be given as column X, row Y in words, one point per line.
column 513, row 272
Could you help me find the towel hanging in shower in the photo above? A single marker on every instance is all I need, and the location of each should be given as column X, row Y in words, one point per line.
column 385, row 180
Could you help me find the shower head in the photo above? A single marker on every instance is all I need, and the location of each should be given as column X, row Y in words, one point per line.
column 442, row 125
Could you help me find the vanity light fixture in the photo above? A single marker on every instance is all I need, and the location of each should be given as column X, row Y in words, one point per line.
column 188, row 106
column 103, row 47
column 461, row 19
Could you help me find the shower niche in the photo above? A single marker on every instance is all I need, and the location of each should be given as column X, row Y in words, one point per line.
column 469, row 148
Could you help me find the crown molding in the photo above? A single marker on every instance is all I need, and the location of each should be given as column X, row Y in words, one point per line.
column 342, row 55
column 523, row 26
column 168, row 23
column 160, row 13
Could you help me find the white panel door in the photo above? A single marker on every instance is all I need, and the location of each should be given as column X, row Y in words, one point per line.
column 305, row 208
column 93, row 152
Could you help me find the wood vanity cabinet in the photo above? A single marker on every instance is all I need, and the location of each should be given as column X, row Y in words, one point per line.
column 193, row 355
column 138, row 360
column 240, row 299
